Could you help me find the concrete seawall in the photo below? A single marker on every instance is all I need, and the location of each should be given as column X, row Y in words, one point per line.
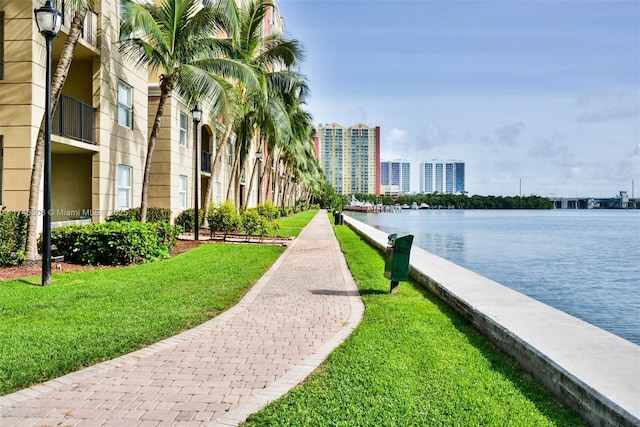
column 593, row 371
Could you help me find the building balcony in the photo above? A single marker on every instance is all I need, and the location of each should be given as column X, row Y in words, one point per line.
column 74, row 119
column 89, row 28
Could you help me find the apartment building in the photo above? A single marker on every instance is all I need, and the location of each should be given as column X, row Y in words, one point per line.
column 395, row 177
column 101, row 128
column 99, row 131
column 350, row 157
column 442, row 176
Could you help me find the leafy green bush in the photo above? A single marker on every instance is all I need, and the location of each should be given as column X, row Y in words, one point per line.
column 268, row 210
column 223, row 218
column 133, row 214
column 13, row 236
column 126, row 215
column 114, row 243
column 251, row 220
column 185, row 219
column 167, row 235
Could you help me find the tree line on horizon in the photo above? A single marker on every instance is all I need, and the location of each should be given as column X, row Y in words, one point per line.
column 333, row 201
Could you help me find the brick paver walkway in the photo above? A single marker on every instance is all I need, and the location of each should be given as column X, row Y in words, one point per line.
column 223, row 370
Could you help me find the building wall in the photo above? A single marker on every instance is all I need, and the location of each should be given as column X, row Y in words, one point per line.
column 117, row 144
column 83, row 174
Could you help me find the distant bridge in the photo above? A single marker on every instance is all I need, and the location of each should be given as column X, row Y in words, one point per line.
column 623, row 201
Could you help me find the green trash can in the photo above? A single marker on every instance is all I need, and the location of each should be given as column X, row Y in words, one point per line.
column 396, row 266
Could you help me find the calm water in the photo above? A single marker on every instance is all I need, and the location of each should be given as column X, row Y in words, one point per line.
column 583, row 262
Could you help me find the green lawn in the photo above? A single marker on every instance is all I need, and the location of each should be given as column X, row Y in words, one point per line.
column 88, row 317
column 291, row 226
column 412, row 362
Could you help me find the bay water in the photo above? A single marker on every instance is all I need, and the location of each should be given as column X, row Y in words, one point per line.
column 583, row 262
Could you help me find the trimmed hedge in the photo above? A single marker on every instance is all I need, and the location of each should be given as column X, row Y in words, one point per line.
column 13, row 237
column 185, row 219
column 114, row 243
column 133, row 214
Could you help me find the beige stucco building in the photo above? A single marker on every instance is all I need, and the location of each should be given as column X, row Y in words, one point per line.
column 101, row 127
column 99, row 130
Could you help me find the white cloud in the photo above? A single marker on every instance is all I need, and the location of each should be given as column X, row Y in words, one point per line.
column 548, row 148
column 394, row 144
column 609, row 104
column 357, row 115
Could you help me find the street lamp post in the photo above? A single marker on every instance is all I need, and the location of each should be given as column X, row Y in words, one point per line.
column 49, row 21
column 196, row 115
column 259, row 159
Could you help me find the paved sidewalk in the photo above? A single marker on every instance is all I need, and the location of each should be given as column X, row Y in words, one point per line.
column 223, row 370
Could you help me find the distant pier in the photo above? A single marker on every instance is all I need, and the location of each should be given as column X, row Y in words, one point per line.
column 370, row 208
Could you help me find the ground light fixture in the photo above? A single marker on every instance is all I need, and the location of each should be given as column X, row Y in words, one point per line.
column 49, row 21
column 196, row 115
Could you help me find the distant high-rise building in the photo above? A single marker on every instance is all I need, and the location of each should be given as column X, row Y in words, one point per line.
column 438, row 176
column 395, row 177
column 350, row 157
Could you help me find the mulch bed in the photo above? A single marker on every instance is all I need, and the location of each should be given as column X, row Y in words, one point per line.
column 19, row 272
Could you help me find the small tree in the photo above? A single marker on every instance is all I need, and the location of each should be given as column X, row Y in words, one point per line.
column 251, row 220
column 223, row 218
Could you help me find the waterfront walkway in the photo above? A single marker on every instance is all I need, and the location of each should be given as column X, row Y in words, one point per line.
column 223, row 370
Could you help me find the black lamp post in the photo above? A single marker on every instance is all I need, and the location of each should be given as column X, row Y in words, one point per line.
column 49, row 21
column 196, row 114
column 259, row 159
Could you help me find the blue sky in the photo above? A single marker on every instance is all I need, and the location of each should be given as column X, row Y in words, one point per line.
column 546, row 93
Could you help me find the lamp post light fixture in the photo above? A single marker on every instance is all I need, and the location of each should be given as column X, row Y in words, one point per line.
column 49, row 21
column 196, row 115
column 259, row 159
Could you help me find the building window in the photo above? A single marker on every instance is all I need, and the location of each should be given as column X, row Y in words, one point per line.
column 124, row 187
column 183, row 129
column 125, row 105
column 183, row 192
column 229, row 154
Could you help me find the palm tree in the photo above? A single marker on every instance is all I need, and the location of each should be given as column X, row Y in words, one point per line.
column 261, row 112
column 80, row 9
column 179, row 40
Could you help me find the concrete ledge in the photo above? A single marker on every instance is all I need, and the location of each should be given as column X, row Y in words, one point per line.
column 593, row 371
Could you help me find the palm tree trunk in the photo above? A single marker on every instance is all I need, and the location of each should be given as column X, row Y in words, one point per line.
column 223, row 146
column 166, row 86
column 236, row 160
column 250, row 186
column 58, row 80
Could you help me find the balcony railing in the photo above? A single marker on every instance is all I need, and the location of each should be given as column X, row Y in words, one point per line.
column 74, row 119
column 90, row 27
column 205, row 161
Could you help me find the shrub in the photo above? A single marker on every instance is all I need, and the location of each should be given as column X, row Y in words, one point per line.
column 167, row 235
column 126, row 215
column 268, row 210
column 13, row 237
column 251, row 220
column 113, row 243
column 223, row 218
column 133, row 214
column 265, row 226
column 185, row 219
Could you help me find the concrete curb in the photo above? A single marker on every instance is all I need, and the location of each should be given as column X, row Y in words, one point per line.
column 593, row 371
